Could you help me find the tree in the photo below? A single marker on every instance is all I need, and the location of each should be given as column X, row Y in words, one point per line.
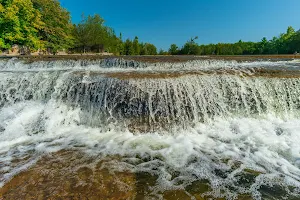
column 288, row 42
column 294, row 43
column 56, row 32
column 190, row 47
column 150, row 49
column 120, row 45
column 287, row 38
column 136, row 46
column 289, row 33
column 19, row 24
column 92, row 35
column 173, row 50
column 128, row 47
column 97, row 32
column 162, row 52
column 81, row 34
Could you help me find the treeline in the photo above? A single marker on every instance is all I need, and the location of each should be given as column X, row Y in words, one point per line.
column 286, row 43
column 45, row 26
column 91, row 35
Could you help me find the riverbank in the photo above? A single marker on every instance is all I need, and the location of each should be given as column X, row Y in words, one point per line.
column 155, row 59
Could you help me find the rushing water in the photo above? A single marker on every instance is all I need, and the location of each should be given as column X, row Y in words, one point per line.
column 219, row 122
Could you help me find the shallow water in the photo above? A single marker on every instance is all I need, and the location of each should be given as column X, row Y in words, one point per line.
column 193, row 136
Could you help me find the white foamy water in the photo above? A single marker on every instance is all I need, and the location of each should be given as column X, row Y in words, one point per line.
column 217, row 127
column 116, row 64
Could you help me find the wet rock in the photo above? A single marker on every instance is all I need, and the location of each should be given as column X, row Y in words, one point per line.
column 177, row 195
column 57, row 177
column 245, row 197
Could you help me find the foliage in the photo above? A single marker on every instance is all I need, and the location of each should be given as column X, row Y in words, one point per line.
column 57, row 30
column 92, row 35
column 173, row 50
column 162, row 52
column 286, row 43
column 148, row 49
column 44, row 24
column 190, row 48
column 128, row 47
column 136, row 48
column 19, row 24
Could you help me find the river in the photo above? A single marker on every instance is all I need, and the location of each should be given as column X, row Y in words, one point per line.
column 118, row 129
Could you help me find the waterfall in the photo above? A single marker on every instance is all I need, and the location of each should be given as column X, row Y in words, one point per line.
column 189, row 117
column 167, row 98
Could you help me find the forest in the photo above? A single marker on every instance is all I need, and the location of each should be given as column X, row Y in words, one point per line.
column 46, row 26
column 286, row 43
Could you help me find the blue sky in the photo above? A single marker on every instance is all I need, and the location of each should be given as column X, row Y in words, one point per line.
column 175, row 21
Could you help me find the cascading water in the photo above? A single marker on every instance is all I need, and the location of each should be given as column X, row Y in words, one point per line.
column 235, row 126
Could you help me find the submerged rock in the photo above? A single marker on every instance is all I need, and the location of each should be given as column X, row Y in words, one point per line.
column 68, row 175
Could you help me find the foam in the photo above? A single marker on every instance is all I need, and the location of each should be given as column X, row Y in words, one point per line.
column 230, row 140
column 192, row 152
column 119, row 65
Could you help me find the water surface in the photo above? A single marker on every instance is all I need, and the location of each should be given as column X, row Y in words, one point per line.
column 194, row 130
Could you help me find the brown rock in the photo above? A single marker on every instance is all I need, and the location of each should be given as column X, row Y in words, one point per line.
column 57, row 177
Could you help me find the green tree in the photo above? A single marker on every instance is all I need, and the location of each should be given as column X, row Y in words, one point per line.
column 57, row 30
column 19, row 24
column 128, row 47
column 136, row 46
column 286, row 43
column 162, row 52
column 150, row 49
column 99, row 34
column 288, row 37
column 81, row 34
column 173, row 50
column 92, row 35
column 294, row 43
column 121, row 45
column 190, row 47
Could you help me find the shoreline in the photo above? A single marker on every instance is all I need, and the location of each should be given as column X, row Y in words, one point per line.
column 156, row 58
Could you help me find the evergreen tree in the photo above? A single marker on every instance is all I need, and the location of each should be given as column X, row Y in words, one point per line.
column 121, row 45
column 136, row 46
